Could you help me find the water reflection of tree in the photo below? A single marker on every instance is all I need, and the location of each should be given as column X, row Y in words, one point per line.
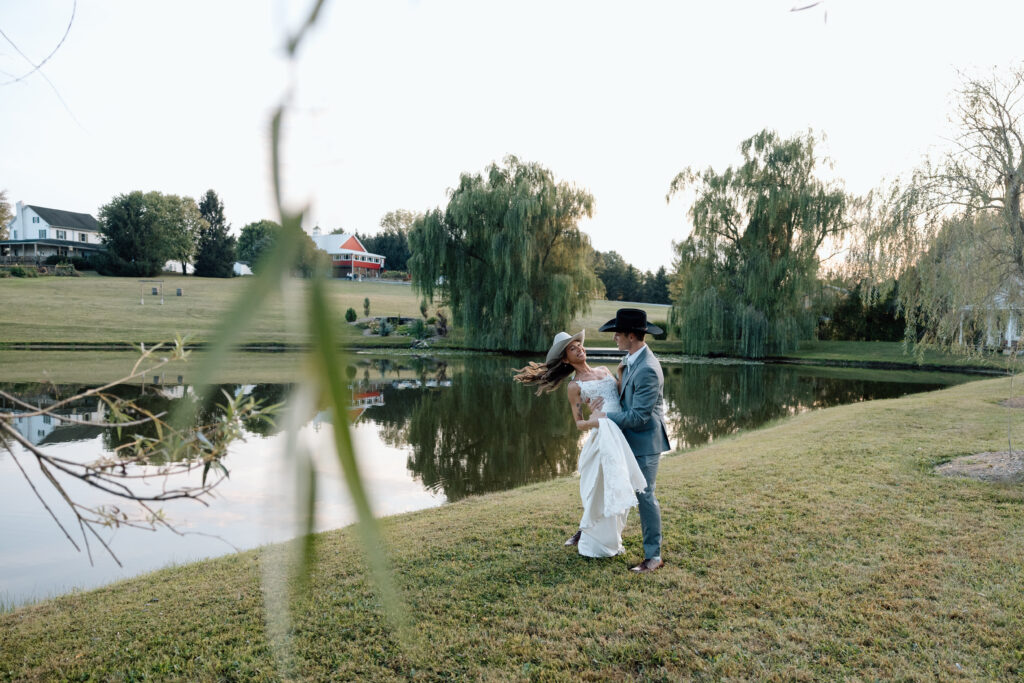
column 706, row 401
column 267, row 395
column 481, row 434
column 156, row 401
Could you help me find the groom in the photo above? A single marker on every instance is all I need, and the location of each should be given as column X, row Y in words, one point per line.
column 641, row 419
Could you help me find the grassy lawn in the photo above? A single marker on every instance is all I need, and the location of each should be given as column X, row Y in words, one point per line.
column 95, row 309
column 105, row 310
column 821, row 547
column 895, row 353
column 92, row 309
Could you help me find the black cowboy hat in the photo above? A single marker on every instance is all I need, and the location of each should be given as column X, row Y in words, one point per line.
column 630, row 320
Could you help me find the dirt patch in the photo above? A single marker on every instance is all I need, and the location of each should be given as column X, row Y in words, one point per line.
column 1002, row 466
column 1015, row 402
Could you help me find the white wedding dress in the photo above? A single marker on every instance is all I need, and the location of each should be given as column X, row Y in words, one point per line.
column 609, row 477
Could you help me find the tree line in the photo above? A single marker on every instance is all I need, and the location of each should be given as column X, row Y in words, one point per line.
column 935, row 258
column 938, row 254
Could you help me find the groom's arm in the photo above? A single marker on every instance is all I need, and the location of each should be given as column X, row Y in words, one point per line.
column 645, row 398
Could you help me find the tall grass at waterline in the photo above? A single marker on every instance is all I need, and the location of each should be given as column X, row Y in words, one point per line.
column 821, row 547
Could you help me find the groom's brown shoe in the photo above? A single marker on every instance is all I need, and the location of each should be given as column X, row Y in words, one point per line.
column 648, row 565
column 575, row 538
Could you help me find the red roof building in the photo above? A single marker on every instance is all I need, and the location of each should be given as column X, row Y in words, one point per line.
column 349, row 258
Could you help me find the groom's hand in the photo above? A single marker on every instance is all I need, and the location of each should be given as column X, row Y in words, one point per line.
column 595, row 404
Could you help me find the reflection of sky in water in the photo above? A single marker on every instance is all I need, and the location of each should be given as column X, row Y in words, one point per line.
column 250, row 508
column 422, row 439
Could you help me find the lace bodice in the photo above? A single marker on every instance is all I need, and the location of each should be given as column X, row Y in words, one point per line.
column 606, row 388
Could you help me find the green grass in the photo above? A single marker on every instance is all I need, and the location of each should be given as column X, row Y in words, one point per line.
column 95, row 309
column 820, row 547
column 894, row 353
column 92, row 310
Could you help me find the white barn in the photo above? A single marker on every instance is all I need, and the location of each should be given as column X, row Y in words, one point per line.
column 37, row 232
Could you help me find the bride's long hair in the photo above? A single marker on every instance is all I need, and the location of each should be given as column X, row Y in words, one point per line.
column 546, row 376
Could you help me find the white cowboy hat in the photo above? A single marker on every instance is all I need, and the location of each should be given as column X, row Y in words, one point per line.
column 562, row 339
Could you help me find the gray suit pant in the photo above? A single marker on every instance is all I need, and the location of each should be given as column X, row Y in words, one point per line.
column 650, row 511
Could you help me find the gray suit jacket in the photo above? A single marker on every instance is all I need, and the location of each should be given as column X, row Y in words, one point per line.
column 642, row 419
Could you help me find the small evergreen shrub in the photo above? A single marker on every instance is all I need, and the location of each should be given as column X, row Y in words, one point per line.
column 350, row 315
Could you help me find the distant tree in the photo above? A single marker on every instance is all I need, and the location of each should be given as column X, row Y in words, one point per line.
column 632, row 284
column 612, row 270
column 181, row 222
column 656, row 287
column 399, row 220
column 507, row 256
column 310, row 259
column 215, row 256
column 254, row 241
column 954, row 234
column 135, row 231
column 259, row 238
column 392, row 242
column 6, row 215
column 746, row 270
column 863, row 313
column 624, row 282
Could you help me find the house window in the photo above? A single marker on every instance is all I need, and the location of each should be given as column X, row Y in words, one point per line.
column 62, row 234
column 82, row 237
column 46, row 419
column 35, row 219
column 42, row 233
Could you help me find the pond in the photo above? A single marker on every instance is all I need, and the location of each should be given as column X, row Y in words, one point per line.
column 428, row 430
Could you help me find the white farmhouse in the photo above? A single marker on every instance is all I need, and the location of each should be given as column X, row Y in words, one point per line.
column 349, row 257
column 37, row 232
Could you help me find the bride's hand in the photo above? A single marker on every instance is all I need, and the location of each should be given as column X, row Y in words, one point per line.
column 595, row 404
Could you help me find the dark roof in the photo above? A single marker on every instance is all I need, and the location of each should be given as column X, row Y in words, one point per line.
column 66, row 219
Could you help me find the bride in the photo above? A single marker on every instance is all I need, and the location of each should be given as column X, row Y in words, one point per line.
column 609, row 474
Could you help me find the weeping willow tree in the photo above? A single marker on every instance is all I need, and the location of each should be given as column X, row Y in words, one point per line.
column 954, row 232
column 745, row 274
column 507, row 256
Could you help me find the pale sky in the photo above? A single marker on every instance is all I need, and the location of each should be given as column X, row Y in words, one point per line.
column 394, row 99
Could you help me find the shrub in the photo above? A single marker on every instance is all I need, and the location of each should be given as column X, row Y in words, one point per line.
column 366, row 306
column 81, row 263
column 28, row 271
column 350, row 315
column 4, row 273
column 54, row 259
column 385, row 328
column 664, row 327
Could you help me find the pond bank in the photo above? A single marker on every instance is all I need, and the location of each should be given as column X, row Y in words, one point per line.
column 821, row 546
